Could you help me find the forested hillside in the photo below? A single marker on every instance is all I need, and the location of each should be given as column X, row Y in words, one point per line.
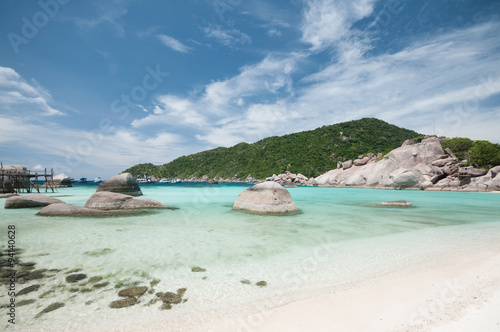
column 310, row 152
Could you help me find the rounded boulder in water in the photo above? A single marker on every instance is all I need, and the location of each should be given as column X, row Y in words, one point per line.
column 266, row 197
column 122, row 184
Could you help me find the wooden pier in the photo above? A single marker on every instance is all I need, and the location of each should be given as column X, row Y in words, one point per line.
column 15, row 180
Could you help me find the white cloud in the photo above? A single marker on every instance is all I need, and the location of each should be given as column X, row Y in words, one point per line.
column 75, row 151
column 107, row 13
column 228, row 37
column 20, row 97
column 174, row 44
column 222, row 102
column 173, row 110
column 447, row 77
column 273, row 32
column 326, row 22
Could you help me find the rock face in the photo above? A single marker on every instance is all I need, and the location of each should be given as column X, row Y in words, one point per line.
column 408, row 166
column 61, row 180
column 414, row 165
column 28, row 201
column 289, row 179
column 113, row 201
column 266, row 197
column 122, row 184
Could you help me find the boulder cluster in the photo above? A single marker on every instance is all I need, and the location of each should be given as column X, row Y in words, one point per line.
column 102, row 203
column 290, row 180
column 415, row 165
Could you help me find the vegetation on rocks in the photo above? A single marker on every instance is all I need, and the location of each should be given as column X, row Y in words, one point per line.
column 479, row 153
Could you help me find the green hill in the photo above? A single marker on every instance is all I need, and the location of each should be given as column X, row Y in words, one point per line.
column 311, row 153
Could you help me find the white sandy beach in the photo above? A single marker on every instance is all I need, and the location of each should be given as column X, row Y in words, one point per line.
column 463, row 295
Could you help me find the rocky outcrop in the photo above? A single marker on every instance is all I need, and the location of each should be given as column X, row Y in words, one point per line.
column 266, row 197
column 406, row 167
column 113, row 201
column 66, row 210
column 414, row 165
column 289, row 179
column 29, row 201
column 122, row 184
column 397, row 203
column 61, row 181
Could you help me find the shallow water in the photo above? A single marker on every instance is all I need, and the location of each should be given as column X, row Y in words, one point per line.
column 341, row 238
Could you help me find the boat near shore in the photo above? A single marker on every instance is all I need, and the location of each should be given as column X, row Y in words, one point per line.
column 145, row 179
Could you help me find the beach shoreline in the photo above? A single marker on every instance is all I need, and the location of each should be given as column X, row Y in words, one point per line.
column 452, row 297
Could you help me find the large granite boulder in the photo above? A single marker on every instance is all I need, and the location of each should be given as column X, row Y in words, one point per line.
column 28, row 201
column 266, row 197
column 494, row 171
column 105, row 200
column 361, row 161
column 407, row 166
column 472, row 172
column 494, row 184
column 122, row 184
column 61, row 180
column 406, row 180
column 66, row 210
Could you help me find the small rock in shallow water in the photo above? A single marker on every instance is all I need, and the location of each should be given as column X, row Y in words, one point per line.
column 169, row 297
column 123, row 303
column 154, row 282
column 25, row 302
column 166, row 306
column 95, row 279
column 396, row 203
column 46, row 293
column 261, row 283
column 197, row 269
column 133, row 292
column 75, row 277
column 73, row 271
column 27, row 290
column 181, row 291
column 38, row 274
column 245, row 281
column 52, row 307
column 101, row 285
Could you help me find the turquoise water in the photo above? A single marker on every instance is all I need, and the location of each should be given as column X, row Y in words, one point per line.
column 341, row 238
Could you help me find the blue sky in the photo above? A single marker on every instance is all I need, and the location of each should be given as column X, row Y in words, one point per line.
column 93, row 87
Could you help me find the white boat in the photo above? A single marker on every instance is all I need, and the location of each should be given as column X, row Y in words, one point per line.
column 97, row 179
column 176, row 180
column 144, row 180
column 164, row 181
